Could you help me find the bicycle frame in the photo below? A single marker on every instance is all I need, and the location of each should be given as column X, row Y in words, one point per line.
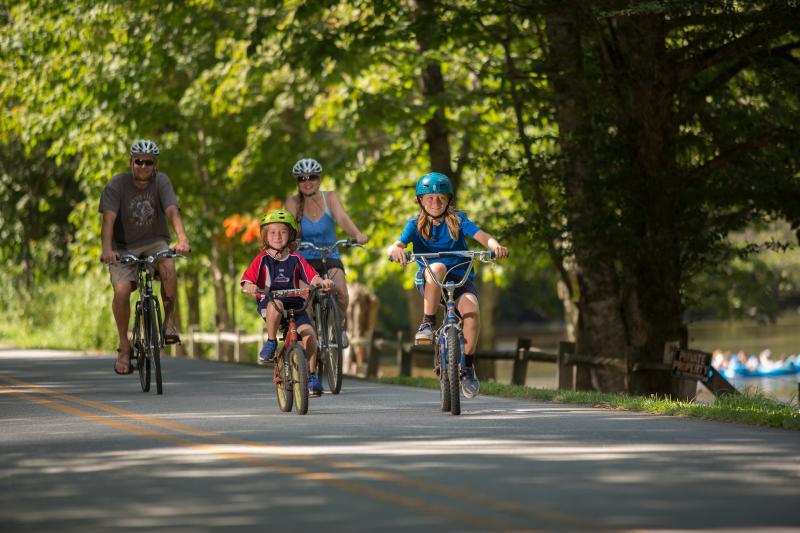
column 290, row 374
column 327, row 320
column 147, row 314
column 449, row 343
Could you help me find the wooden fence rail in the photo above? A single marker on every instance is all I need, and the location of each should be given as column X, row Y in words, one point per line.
column 572, row 370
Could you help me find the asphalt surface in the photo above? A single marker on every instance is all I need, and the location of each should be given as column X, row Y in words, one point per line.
column 82, row 449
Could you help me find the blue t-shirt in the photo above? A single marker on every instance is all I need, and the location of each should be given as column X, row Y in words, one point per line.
column 441, row 241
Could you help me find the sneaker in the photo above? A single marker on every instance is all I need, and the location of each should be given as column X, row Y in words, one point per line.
column 267, row 352
column 424, row 334
column 345, row 340
column 469, row 382
column 314, row 386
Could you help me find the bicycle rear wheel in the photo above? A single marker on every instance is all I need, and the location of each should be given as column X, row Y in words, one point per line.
column 331, row 351
column 453, row 369
column 296, row 357
column 138, row 350
column 283, row 382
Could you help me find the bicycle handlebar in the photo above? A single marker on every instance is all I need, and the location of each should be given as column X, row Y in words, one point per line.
column 163, row 254
column 484, row 256
column 288, row 292
column 326, row 251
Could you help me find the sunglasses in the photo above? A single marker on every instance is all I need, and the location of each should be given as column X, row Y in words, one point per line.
column 144, row 162
column 308, row 177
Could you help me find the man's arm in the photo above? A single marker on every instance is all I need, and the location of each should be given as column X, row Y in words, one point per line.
column 106, row 233
column 174, row 215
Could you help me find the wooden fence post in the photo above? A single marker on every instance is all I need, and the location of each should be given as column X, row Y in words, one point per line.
column 372, row 359
column 565, row 375
column 403, row 356
column 192, row 345
column 237, row 348
column 520, row 369
column 219, row 345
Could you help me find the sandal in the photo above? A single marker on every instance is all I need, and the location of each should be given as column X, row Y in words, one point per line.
column 127, row 363
column 171, row 336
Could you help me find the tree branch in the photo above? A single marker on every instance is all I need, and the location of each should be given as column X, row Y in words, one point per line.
column 691, row 67
column 736, row 152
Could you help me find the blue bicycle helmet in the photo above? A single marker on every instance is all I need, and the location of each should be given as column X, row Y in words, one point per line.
column 434, row 183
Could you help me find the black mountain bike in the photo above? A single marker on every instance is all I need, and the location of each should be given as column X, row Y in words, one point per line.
column 328, row 321
column 148, row 335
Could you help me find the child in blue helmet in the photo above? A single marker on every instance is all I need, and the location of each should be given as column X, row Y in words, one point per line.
column 437, row 228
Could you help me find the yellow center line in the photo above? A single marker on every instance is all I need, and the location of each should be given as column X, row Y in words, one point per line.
column 392, row 498
column 464, row 496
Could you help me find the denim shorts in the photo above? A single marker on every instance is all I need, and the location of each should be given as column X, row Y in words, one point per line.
column 467, row 288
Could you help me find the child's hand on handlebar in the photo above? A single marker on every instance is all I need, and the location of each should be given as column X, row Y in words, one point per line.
column 250, row 288
column 499, row 250
column 398, row 254
column 361, row 238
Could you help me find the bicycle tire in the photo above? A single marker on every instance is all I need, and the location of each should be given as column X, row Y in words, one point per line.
column 322, row 337
column 296, row 356
column 453, row 370
column 444, row 382
column 283, row 382
column 138, row 350
column 155, row 344
column 331, row 352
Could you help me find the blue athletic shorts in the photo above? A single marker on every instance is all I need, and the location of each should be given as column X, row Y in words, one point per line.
column 300, row 315
column 467, row 288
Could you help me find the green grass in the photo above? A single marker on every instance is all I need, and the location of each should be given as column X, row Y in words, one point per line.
column 748, row 408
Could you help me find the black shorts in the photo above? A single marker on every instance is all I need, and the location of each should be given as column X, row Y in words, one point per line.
column 300, row 315
column 331, row 262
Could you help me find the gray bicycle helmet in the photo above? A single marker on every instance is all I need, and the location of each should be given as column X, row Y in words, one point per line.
column 306, row 166
column 145, row 147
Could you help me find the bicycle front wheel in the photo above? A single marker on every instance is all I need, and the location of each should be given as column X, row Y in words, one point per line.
column 444, row 381
column 138, row 349
column 331, row 350
column 298, row 366
column 283, row 382
column 155, row 343
column 453, row 369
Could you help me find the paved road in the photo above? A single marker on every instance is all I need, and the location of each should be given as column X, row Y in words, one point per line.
column 85, row 450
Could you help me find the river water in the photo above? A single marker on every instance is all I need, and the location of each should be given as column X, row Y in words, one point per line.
column 782, row 338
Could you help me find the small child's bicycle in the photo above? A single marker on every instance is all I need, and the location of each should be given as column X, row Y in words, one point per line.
column 449, row 338
column 328, row 321
column 291, row 364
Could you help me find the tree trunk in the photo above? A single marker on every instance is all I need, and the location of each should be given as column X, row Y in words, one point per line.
column 629, row 293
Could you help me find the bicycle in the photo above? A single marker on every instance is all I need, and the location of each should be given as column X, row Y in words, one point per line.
column 291, row 365
column 328, row 321
column 148, row 336
column 449, row 344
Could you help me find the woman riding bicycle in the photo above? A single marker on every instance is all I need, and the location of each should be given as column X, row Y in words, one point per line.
column 277, row 267
column 437, row 228
column 318, row 213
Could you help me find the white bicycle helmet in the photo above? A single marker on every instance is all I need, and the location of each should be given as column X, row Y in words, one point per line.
column 306, row 166
column 145, row 147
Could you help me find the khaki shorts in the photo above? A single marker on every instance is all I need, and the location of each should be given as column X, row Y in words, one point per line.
column 128, row 272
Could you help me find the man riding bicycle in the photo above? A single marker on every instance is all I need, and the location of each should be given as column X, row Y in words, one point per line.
column 136, row 206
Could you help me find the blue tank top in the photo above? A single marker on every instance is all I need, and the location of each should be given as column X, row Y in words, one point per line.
column 321, row 232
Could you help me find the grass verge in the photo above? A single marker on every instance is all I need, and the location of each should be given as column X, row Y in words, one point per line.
column 747, row 408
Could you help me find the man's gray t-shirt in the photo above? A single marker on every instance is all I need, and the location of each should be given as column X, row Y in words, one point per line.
column 141, row 219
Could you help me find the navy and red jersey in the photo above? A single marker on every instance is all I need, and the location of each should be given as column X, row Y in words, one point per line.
column 266, row 272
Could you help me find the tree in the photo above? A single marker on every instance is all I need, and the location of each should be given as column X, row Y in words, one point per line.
column 676, row 126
